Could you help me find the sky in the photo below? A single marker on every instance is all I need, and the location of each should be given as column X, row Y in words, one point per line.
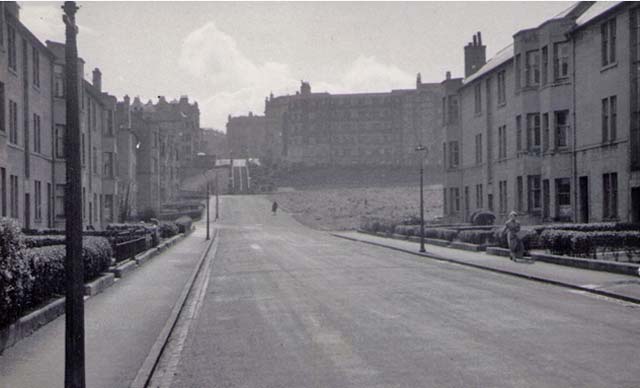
column 230, row 56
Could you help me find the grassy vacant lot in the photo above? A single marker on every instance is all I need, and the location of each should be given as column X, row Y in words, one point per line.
column 342, row 208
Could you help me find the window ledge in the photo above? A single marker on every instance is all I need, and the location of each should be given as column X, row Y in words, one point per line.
column 502, row 104
column 608, row 66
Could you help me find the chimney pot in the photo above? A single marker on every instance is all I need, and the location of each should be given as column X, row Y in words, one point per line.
column 448, row 75
column 97, row 79
column 479, row 39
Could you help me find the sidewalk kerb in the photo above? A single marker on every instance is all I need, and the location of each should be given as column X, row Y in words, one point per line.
column 497, row 270
column 100, row 284
column 148, row 366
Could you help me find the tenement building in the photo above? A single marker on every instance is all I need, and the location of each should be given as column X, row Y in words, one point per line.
column 549, row 126
column 168, row 139
column 246, row 136
column 323, row 129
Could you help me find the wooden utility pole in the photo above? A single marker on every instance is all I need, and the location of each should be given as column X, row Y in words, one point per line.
column 74, row 373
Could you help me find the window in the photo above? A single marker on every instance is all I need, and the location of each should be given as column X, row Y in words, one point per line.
column 84, row 153
column 3, row 191
column 444, row 155
column 502, row 142
column 445, row 201
column 466, row 202
column 453, row 109
column 108, row 208
column 110, row 123
column 560, row 60
column 518, row 72
column 59, row 141
column 12, row 50
column 58, row 80
column 37, row 134
column 36, row 67
column 532, row 68
column 479, row 196
column 37, row 200
column 59, row 201
column 444, row 110
column 13, row 122
column 545, row 131
column 490, row 202
column 502, row 197
column 502, row 95
column 533, row 133
column 534, row 197
column 562, row 128
column 455, row 200
column 546, row 199
column 608, row 41
column 563, row 196
column 479, row 148
column 520, row 193
column 610, row 196
column 13, row 196
column 609, row 118
column 107, row 158
column 453, row 154
column 3, row 127
column 519, row 133
column 95, row 160
column 477, row 90
column 545, row 64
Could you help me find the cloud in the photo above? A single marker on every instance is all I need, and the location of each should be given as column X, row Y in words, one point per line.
column 240, row 84
column 45, row 21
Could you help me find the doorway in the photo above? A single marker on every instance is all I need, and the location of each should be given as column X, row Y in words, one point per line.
column 584, row 199
column 27, row 211
column 635, row 205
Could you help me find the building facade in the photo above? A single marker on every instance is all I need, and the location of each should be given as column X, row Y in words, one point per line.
column 546, row 126
column 246, row 136
column 322, row 129
column 26, row 122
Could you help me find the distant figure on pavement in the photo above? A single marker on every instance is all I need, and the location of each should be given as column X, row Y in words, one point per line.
column 274, row 207
column 512, row 227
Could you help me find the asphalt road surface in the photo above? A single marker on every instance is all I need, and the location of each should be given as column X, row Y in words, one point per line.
column 287, row 306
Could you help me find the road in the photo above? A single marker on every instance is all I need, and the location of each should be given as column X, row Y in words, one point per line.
column 287, row 306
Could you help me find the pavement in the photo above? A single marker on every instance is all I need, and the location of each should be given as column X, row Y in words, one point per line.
column 623, row 287
column 121, row 325
column 287, row 306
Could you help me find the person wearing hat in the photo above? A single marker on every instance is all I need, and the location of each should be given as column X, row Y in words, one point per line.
column 512, row 227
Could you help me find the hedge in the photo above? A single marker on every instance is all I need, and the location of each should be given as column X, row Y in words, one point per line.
column 478, row 237
column 43, row 241
column 587, row 244
column 168, row 229
column 31, row 276
column 184, row 224
column 592, row 227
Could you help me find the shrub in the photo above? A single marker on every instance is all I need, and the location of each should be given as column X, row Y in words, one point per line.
column 16, row 280
column 184, row 224
column 147, row 214
column 530, row 239
column 47, row 266
column 476, row 236
column 407, row 230
column 168, row 229
column 43, row 241
column 593, row 227
column 441, row 233
column 482, row 217
column 586, row 244
column 96, row 255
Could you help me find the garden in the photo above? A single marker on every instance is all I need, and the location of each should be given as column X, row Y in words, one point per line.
column 32, row 261
column 601, row 241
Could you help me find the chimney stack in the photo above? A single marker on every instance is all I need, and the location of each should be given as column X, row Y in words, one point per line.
column 97, row 79
column 475, row 55
column 448, row 75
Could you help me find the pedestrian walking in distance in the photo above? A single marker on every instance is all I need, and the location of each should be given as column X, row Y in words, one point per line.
column 274, row 207
column 512, row 227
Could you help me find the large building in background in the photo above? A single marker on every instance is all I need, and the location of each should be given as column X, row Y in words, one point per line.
column 323, row 129
column 549, row 126
column 246, row 136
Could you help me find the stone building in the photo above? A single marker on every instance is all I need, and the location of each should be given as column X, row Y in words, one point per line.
column 246, row 136
column 322, row 129
column 168, row 139
column 26, row 122
column 544, row 127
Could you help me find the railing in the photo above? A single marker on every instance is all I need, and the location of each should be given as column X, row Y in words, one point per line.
column 129, row 249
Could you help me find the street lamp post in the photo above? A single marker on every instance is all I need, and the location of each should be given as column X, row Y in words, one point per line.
column 208, row 210
column 217, row 194
column 74, row 371
column 421, row 148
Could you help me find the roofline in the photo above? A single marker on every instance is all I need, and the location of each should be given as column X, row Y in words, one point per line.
column 596, row 19
column 24, row 30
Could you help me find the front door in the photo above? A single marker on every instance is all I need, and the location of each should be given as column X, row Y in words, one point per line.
column 584, row 199
column 635, row 205
column 27, row 211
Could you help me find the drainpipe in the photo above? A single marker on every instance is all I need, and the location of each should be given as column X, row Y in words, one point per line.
column 574, row 151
